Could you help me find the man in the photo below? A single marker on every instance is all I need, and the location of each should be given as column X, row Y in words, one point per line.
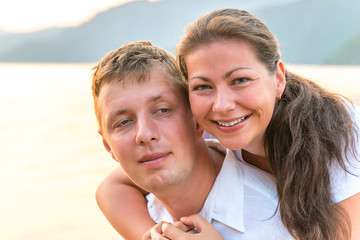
column 146, row 124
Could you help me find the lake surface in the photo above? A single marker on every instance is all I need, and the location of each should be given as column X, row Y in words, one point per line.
column 52, row 158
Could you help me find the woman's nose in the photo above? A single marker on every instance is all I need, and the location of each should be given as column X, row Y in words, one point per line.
column 224, row 101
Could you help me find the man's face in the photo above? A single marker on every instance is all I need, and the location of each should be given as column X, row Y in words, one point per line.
column 149, row 129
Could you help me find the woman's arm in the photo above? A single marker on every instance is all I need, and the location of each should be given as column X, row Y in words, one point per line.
column 352, row 206
column 124, row 205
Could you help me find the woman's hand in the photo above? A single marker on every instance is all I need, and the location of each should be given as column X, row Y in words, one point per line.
column 156, row 232
column 205, row 230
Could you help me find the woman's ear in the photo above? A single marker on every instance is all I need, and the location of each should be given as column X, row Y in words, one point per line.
column 280, row 78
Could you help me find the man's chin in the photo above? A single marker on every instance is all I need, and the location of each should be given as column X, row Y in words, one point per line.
column 160, row 181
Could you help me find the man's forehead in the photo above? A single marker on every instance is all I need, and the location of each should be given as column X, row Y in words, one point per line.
column 150, row 90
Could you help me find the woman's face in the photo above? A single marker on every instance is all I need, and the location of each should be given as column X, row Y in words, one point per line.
column 232, row 94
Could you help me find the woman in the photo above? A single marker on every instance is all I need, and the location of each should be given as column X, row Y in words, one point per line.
column 274, row 120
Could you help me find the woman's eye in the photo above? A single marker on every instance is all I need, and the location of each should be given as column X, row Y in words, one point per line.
column 164, row 110
column 240, row 80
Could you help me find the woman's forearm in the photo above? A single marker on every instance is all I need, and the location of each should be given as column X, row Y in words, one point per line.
column 124, row 205
column 352, row 207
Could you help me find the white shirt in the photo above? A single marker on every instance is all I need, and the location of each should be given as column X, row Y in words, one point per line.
column 242, row 203
column 345, row 185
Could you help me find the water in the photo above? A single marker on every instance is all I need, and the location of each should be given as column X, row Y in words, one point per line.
column 344, row 80
column 52, row 158
column 51, row 155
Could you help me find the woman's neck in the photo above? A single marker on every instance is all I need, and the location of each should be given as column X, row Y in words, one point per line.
column 256, row 160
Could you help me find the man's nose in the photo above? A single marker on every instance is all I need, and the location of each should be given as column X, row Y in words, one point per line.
column 147, row 131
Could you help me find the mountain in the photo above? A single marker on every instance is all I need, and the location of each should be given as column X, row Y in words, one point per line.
column 308, row 30
column 349, row 53
column 311, row 30
column 161, row 21
column 12, row 44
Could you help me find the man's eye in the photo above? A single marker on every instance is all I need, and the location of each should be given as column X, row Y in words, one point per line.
column 122, row 123
column 202, row 87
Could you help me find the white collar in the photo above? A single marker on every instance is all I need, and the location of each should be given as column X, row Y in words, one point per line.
column 225, row 201
column 257, row 178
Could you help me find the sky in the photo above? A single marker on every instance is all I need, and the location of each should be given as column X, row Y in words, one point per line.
column 18, row 16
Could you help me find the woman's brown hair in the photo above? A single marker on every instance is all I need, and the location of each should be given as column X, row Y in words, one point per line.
column 310, row 132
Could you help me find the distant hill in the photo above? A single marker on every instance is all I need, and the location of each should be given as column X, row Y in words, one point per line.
column 311, row 30
column 308, row 30
column 162, row 22
column 13, row 44
column 349, row 53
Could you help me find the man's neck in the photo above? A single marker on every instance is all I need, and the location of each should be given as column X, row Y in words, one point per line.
column 189, row 197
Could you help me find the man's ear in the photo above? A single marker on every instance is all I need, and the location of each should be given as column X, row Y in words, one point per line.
column 199, row 130
column 106, row 145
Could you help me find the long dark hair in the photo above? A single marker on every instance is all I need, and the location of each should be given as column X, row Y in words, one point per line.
column 309, row 132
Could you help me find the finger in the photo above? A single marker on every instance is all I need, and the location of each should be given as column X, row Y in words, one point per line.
column 207, row 231
column 193, row 231
column 183, row 227
column 147, row 235
column 172, row 232
column 155, row 235
column 197, row 221
column 158, row 226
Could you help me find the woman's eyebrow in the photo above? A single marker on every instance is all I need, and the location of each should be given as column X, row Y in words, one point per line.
column 228, row 74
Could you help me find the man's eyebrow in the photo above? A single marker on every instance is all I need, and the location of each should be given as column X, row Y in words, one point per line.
column 154, row 98
column 122, row 111
column 116, row 113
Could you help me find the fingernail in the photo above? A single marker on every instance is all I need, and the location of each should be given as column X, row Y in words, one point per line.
column 164, row 226
column 184, row 218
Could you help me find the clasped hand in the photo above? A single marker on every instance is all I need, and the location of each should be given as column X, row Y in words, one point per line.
column 193, row 227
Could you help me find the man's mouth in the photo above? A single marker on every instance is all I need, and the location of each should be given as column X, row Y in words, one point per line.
column 152, row 157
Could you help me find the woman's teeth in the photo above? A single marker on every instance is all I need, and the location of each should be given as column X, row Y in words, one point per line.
column 229, row 124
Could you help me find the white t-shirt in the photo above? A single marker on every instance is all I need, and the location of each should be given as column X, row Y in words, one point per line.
column 345, row 185
column 243, row 201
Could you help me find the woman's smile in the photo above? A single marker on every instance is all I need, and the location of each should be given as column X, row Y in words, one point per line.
column 232, row 123
column 237, row 96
